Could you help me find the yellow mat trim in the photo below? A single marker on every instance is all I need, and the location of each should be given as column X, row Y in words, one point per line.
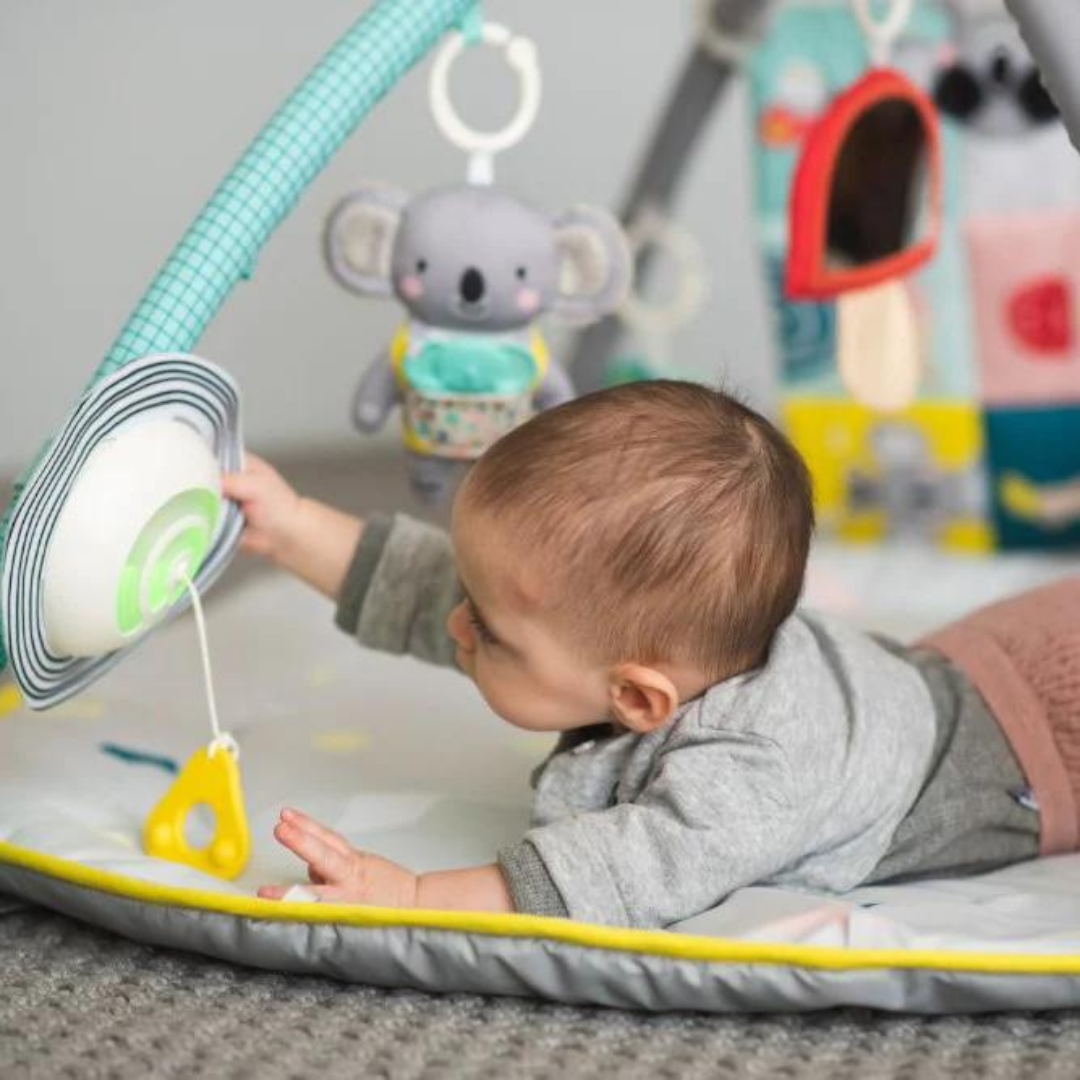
column 663, row 943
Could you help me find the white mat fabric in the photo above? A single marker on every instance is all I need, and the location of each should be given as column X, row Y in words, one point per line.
column 406, row 760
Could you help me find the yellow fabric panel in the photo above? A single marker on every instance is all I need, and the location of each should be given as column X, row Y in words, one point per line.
column 833, row 436
column 399, row 349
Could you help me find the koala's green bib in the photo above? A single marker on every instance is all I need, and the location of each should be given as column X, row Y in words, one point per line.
column 461, row 392
column 479, row 364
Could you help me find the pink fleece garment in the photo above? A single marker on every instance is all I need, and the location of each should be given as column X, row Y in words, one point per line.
column 1023, row 654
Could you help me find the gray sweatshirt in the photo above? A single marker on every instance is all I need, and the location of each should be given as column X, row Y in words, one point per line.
column 843, row 759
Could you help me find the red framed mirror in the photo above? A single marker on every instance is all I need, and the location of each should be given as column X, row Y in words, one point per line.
column 866, row 198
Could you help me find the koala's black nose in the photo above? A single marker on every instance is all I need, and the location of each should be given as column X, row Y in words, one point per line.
column 1000, row 68
column 472, row 285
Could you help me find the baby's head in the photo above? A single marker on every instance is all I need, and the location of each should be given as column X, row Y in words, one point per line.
column 625, row 551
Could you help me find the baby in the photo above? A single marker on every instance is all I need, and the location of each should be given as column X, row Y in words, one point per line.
column 624, row 570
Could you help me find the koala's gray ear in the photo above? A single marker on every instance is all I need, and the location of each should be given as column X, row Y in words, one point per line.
column 359, row 238
column 595, row 264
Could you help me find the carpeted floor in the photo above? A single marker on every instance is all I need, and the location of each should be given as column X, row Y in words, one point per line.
column 78, row 1002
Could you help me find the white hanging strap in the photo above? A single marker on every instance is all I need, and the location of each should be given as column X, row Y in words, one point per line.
column 882, row 33
column 221, row 740
column 482, row 146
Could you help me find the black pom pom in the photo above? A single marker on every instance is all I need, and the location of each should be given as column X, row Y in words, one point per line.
column 957, row 92
column 1034, row 99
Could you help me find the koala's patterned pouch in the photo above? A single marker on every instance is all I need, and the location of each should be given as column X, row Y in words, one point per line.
column 460, row 393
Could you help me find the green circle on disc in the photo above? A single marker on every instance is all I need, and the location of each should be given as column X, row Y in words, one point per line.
column 198, row 507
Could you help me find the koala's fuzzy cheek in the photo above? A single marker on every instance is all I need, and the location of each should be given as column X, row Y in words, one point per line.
column 528, row 300
column 411, row 287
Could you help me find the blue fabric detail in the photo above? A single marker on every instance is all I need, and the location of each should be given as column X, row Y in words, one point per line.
column 1040, row 443
column 140, row 757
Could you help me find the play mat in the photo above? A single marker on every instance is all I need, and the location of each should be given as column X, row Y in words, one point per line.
column 406, row 760
column 401, row 757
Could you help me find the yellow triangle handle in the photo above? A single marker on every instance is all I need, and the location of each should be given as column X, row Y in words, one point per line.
column 211, row 777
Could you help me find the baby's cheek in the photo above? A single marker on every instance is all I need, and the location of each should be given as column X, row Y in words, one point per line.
column 411, row 287
column 528, row 300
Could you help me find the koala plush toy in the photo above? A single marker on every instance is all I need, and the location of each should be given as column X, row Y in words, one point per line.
column 993, row 86
column 474, row 269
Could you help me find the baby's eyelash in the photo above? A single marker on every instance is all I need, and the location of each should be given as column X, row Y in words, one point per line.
column 478, row 624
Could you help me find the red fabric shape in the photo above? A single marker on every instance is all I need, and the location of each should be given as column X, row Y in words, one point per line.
column 1040, row 315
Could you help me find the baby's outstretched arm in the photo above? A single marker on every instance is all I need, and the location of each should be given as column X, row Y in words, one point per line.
column 341, row 874
column 308, row 538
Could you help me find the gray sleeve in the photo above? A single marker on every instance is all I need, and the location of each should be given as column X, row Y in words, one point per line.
column 715, row 817
column 400, row 588
column 531, row 886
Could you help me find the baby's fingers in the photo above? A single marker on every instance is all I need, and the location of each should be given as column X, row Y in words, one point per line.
column 306, row 894
column 257, row 465
column 326, row 861
column 254, row 543
column 273, row 892
column 239, row 486
column 291, row 816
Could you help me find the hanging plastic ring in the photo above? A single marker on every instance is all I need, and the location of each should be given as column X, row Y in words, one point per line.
column 881, row 34
column 225, row 742
column 521, row 56
column 716, row 42
column 659, row 320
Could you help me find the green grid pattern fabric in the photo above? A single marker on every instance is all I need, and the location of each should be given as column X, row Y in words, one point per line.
column 221, row 247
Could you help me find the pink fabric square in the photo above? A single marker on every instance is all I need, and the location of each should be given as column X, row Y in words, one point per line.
column 1025, row 285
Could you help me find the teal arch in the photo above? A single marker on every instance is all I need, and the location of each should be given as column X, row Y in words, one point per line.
column 221, row 246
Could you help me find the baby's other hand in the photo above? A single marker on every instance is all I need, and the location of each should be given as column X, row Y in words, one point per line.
column 338, row 872
column 271, row 507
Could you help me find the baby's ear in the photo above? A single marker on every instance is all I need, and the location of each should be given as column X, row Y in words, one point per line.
column 642, row 698
column 359, row 238
column 595, row 264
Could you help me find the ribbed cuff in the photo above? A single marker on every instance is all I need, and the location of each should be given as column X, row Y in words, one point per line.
column 531, row 886
column 361, row 571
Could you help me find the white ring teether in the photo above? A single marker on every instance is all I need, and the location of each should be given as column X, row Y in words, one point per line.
column 521, row 55
column 656, row 320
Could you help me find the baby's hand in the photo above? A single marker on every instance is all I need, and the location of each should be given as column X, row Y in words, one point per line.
column 339, row 873
column 271, row 507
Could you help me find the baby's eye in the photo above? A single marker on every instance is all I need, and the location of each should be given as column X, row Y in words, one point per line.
column 521, row 273
column 482, row 632
column 421, row 265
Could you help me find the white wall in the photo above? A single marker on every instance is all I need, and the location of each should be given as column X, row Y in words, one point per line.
column 119, row 117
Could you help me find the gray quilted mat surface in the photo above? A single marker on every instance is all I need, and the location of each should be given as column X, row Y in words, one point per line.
column 78, row 1002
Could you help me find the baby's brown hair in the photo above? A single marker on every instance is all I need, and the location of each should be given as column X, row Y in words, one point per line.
column 672, row 522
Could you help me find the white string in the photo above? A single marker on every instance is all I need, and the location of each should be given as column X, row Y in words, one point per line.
column 221, row 740
column 881, row 34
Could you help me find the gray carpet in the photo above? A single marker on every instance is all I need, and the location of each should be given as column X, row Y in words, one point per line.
column 78, row 1002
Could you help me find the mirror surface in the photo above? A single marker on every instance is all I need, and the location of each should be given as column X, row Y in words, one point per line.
column 879, row 197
